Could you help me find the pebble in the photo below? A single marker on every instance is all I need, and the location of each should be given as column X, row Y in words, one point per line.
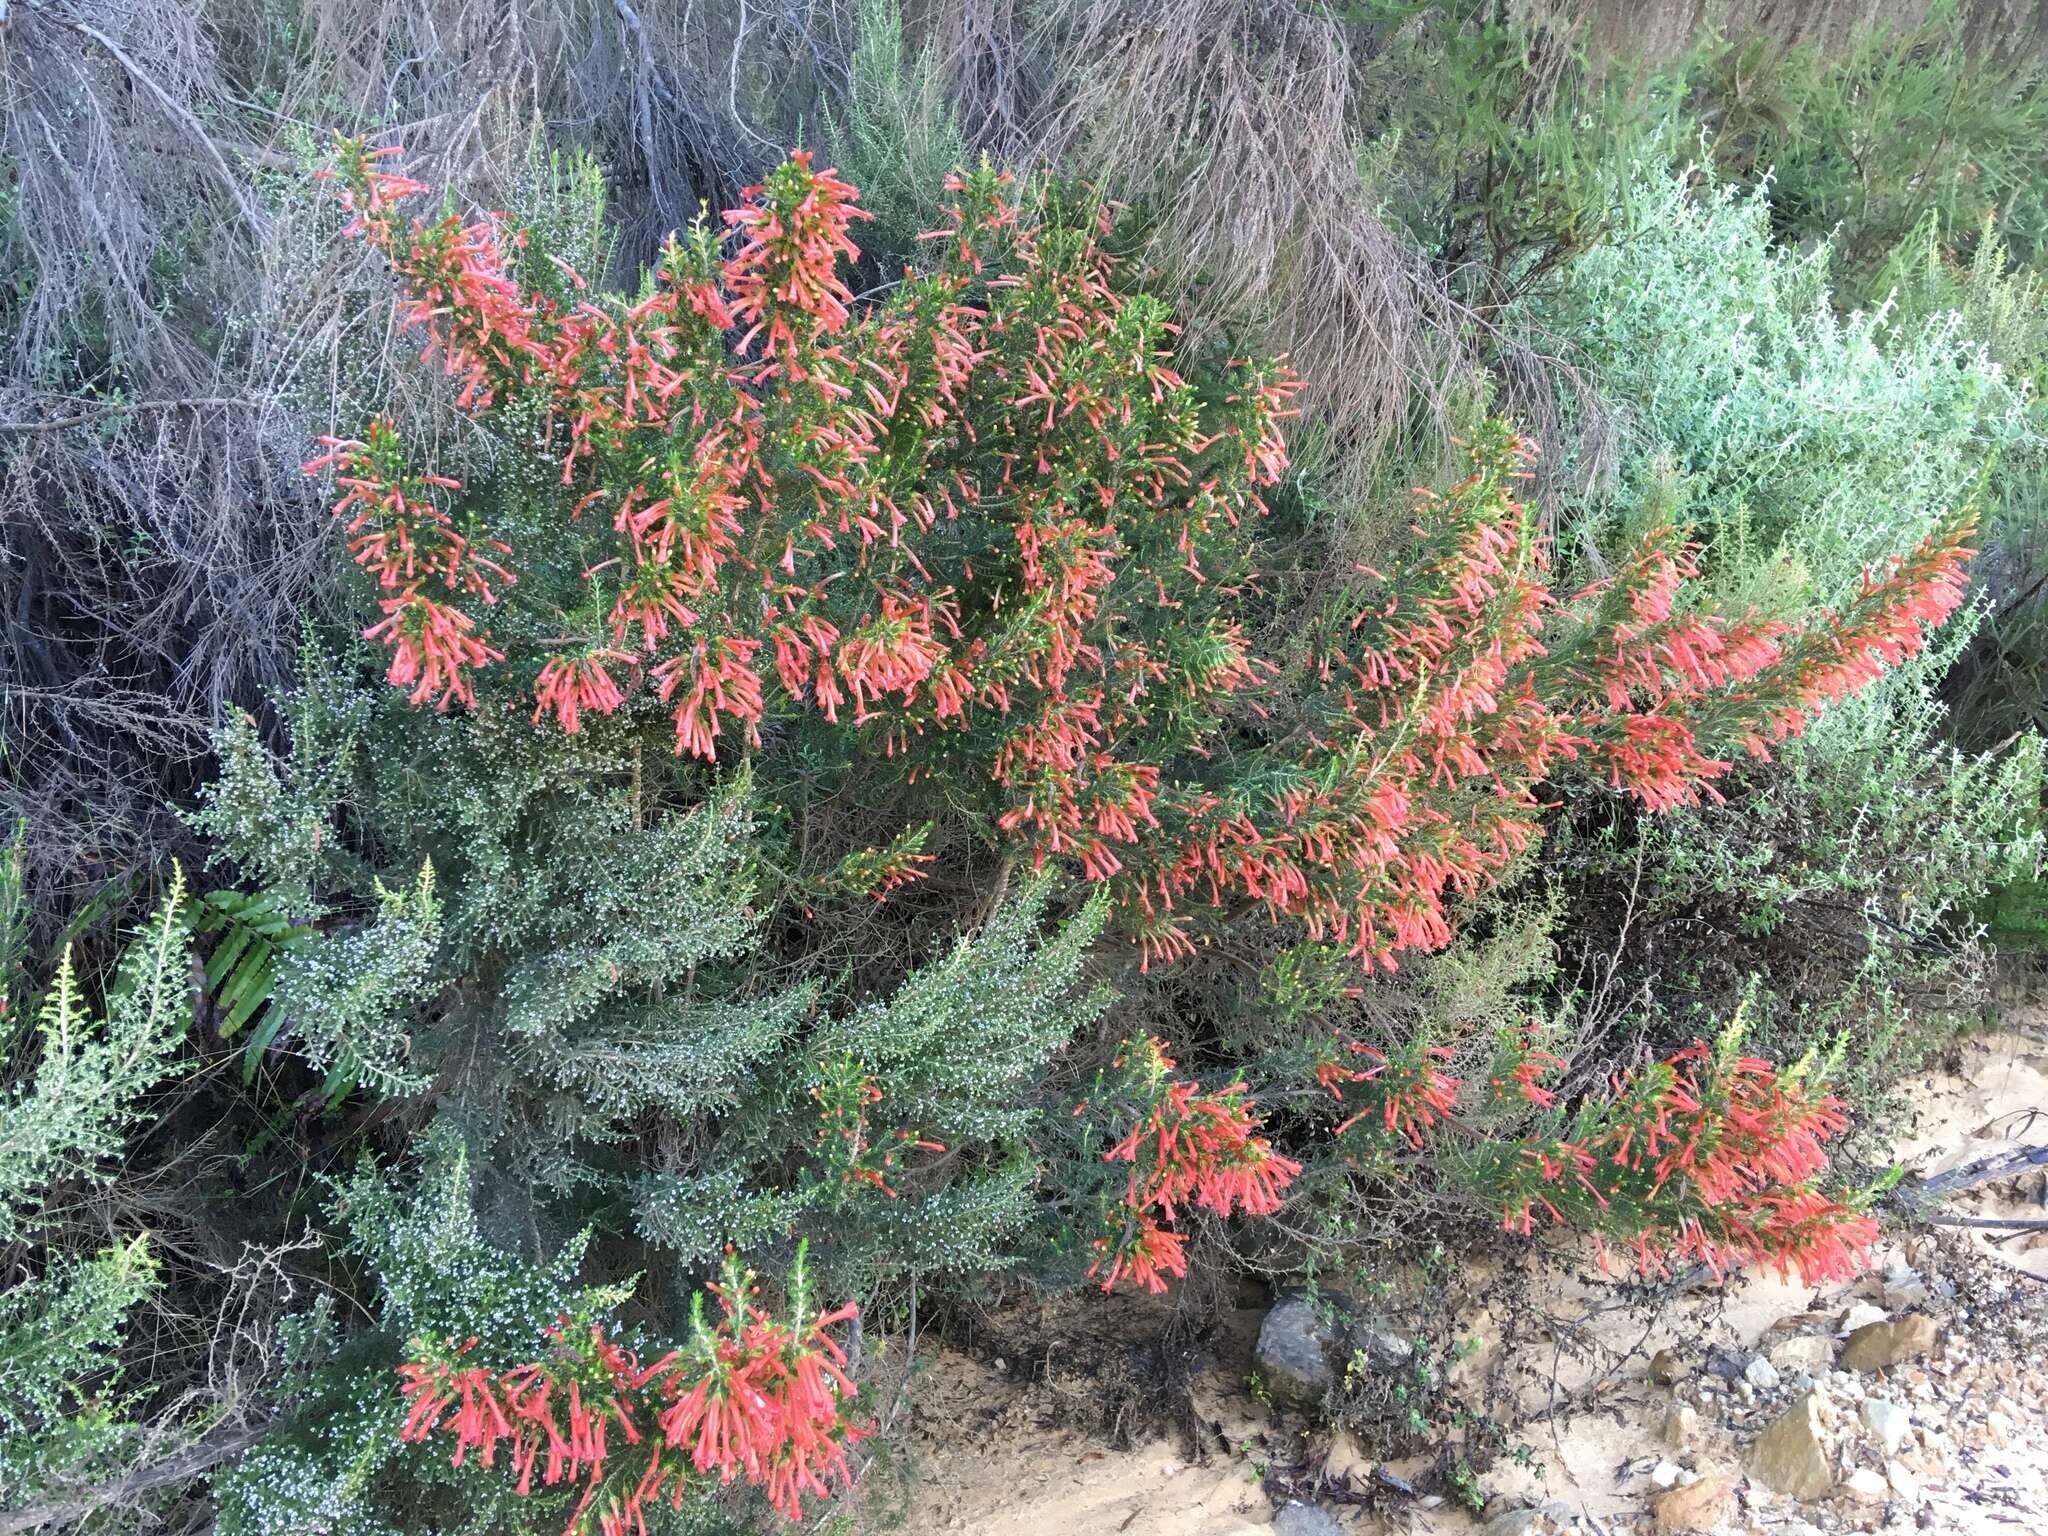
column 1297, row 1519
column 1761, row 1374
column 1665, row 1474
column 1905, row 1482
column 1806, row 1351
column 1866, row 1486
column 1680, row 1425
column 1701, row 1507
column 1861, row 1315
column 1888, row 1422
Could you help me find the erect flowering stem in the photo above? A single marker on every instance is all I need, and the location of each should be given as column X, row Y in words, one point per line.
column 1186, row 1147
column 863, row 1155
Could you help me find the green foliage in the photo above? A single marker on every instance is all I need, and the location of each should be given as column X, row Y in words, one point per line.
column 2000, row 684
column 1797, row 437
column 427, row 1271
column 1811, row 446
column 588, row 987
column 1860, row 142
column 91, row 1072
column 251, row 934
column 1497, row 136
column 61, row 1407
column 896, row 137
column 65, row 1411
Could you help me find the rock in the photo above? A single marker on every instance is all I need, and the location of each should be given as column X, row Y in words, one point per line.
column 1666, row 1369
column 1298, row 1519
column 1347, row 1462
column 1384, row 1349
column 1293, row 1353
column 1680, row 1425
column 1866, row 1487
column 1904, row 1480
column 1726, row 1366
column 1791, row 1457
column 1903, row 1287
column 1702, row 1507
column 1879, row 1346
column 1665, row 1474
column 1888, row 1422
column 1999, row 1425
column 1761, row 1374
column 1862, row 1315
column 1511, row 1522
column 1805, row 1352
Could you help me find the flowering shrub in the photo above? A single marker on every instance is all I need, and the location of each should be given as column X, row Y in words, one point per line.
column 989, row 541
column 987, row 531
column 745, row 1396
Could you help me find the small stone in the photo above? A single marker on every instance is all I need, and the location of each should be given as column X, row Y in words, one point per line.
column 1791, row 1457
column 1298, row 1519
column 1680, row 1425
column 1888, row 1422
column 1879, row 1346
column 1804, row 1352
column 1512, row 1522
column 1905, row 1482
column 1903, row 1288
column 1292, row 1355
column 1861, row 1315
column 1665, row 1474
column 2000, row 1425
column 1666, row 1369
column 1761, row 1374
column 1702, row 1507
column 1866, row 1487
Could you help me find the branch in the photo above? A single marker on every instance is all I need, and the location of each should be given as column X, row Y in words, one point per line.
column 1998, row 1223
column 170, row 104
column 195, row 402
column 2003, row 1165
column 202, row 1457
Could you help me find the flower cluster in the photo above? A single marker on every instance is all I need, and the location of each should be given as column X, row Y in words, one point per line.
column 1453, row 690
column 1707, row 1156
column 1185, row 1148
column 747, row 1396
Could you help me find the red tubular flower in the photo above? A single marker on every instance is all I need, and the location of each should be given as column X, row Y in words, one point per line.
column 434, row 647
column 722, row 683
column 1406, row 1098
column 784, row 279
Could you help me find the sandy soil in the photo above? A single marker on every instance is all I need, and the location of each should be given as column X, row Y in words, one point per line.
column 1001, row 1446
